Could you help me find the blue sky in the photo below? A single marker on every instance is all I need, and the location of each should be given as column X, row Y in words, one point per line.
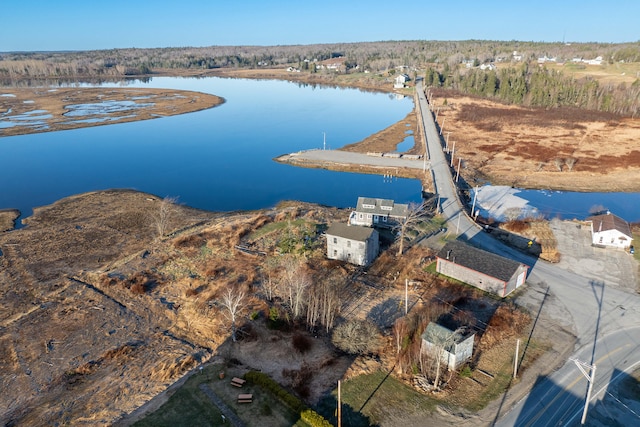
column 31, row 25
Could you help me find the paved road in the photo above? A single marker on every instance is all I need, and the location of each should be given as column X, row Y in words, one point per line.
column 603, row 317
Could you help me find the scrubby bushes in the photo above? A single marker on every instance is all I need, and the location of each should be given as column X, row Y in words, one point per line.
column 307, row 415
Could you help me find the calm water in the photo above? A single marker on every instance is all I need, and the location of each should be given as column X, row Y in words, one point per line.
column 218, row 159
column 221, row 159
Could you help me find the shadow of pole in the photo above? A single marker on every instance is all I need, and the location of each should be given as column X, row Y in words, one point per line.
column 594, row 284
column 378, row 387
column 533, row 327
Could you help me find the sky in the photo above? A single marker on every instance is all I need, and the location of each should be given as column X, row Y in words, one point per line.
column 48, row 25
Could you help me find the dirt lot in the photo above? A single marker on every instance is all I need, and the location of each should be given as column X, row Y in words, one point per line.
column 560, row 149
column 43, row 110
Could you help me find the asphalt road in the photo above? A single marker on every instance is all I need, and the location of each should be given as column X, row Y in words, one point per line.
column 604, row 318
column 603, row 315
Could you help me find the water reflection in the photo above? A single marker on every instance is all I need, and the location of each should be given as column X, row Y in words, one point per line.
column 216, row 159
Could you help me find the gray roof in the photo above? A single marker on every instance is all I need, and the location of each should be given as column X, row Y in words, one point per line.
column 439, row 335
column 397, row 209
column 351, row 232
column 609, row 221
column 478, row 260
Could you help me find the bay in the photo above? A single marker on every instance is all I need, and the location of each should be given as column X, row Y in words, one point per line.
column 217, row 159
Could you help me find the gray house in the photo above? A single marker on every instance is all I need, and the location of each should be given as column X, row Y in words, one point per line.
column 455, row 347
column 372, row 212
column 489, row 272
column 352, row 243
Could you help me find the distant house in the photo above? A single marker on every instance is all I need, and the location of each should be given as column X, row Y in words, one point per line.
column 610, row 230
column 372, row 212
column 484, row 270
column 352, row 243
column 401, row 80
column 455, row 347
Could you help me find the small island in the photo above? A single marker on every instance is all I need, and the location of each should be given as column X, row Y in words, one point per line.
column 34, row 110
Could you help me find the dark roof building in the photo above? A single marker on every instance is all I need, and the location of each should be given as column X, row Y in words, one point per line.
column 378, row 212
column 610, row 230
column 479, row 268
column 355, row 244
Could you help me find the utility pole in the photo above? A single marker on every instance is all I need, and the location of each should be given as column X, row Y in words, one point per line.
column 448, row 133
column 590, row 377
column 515, row 360
column 442, row 127
column 406, row 296
column 458, row 173
column 339, row 407
column 473, row 206
column 453, row 152
column 324, row 140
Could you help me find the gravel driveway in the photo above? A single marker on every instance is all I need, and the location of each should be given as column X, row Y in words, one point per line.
column 612, row 266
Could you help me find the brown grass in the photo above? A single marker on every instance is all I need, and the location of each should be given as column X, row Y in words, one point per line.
column 513, row 145
column 162, row 102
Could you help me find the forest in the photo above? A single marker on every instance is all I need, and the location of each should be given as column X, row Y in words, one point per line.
column 519, row 82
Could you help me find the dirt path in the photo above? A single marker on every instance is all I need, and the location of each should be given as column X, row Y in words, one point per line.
column 226, row 411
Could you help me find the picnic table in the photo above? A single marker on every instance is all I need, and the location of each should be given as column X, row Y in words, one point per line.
column 245, row 398
column 238, row 382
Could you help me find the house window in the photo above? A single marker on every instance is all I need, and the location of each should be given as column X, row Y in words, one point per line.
column 384, row 219
column 600, row 239
column 368, row 216
column 335, row 253
column 335, row 240
column 348, row 243
column 361, row 216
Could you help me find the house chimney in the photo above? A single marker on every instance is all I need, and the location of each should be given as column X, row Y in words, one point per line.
column 448, row 254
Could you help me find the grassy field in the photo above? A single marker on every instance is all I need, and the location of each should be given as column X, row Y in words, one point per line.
column 189, row 406
column 375, row 398
column 606, row 73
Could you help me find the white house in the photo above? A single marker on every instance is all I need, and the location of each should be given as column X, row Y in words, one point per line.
column 610, row 230
column 352, row 243
column 400, row 81
column 454, row 346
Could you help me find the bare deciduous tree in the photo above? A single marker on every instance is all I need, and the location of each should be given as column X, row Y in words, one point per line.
column 570, row 162
column 414, row 216
column 162, row 218
column 270, row 281
column 323, row 302
column 558, row 162
column 357, row 337
column 511, row 214
column 400, row 332
column 233, row 300
column 296, row 280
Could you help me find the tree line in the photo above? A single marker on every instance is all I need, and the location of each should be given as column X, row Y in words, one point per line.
column 540, row 87
column 514, row 82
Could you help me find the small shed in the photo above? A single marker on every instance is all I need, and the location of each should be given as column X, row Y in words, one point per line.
column 610, row 230
column 352, row 243
column 455, row 347
column 484, row 270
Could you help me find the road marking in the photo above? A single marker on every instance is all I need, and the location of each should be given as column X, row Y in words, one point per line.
column 570, row 386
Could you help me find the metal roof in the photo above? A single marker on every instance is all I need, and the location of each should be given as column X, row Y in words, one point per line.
column 479, row 260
